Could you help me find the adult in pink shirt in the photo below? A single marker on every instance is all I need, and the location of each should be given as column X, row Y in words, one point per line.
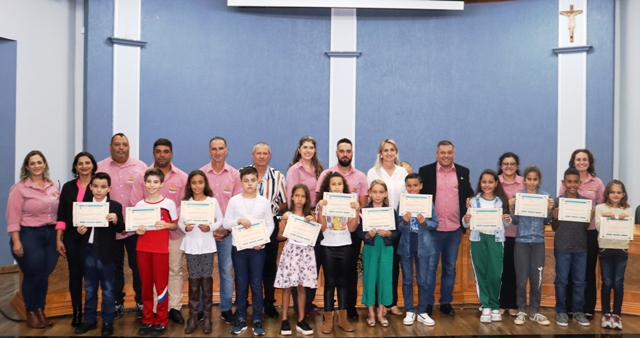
column 449, row 184
column 593, row 189
column 31, row 216
column 304, row 167
column 123, row 170
column 175, row 181
column 224, row 181
column 357, row 182
column 512, row 182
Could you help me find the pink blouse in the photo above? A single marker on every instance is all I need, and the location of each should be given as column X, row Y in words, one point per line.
column 31, row 206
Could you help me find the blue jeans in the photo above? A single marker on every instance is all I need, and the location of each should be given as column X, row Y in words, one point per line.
column 422, row 268
column 37, row 263
column 96, row 273
column 613, row 263
column 574, row 264
column 248, row 265
column 225, row 269
column 446, row 244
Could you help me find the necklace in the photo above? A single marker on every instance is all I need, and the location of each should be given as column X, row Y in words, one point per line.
column 244, row 200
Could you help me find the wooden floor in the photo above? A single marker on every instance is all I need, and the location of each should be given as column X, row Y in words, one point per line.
column 465, row 323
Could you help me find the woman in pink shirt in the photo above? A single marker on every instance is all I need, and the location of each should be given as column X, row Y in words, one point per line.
column 31, row 217
column 68, row 240
column 304, row 167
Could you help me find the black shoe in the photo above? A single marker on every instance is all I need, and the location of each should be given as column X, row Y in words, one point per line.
column 271, row 311
column 446, row 309
column 119, row 310
column 139, row 311
column 145, row 329
column 84, row 328
column 200, row 316
column 228, row 317
column 429, row 310
column 352, row 313
column 304, row 328
column 285, row 328
column 158, row 330
column 107, row 330
column 77, row 317
column 176, row 316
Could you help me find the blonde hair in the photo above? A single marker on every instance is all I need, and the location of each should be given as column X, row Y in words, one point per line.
column 24, row 173
column 380, row 182
column 378, row 162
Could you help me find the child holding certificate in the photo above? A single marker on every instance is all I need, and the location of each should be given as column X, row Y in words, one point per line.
column 487, row 245
column 336, row 246
column 377, row 258
column 613, row 253
column 199, row 246
column 245, row 209
column 529, row 250
column 297, row 267
column 416, row 246
column 153, row 255
column 97, row 247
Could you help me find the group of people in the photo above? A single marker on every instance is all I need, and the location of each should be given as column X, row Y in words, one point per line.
column 40, row 222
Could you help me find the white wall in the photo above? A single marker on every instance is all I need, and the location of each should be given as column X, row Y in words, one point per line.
column 628, row 104
column 45, row 31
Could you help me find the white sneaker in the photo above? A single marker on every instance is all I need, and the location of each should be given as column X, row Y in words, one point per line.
column 486, row 315
column 540, row 319
column 496, row 316
column 521, row 318
column 425, row 319
column 409, row 318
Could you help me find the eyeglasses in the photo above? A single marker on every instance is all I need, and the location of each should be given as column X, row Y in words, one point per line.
column 509, row 164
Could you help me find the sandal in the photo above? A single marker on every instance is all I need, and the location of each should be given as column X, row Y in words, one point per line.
column 394, row 310
column 371, row 321
column 383, row 321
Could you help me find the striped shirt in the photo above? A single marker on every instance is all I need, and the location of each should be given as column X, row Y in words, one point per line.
column 273, row 188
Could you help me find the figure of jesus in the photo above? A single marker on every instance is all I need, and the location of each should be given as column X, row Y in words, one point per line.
column 572, row 23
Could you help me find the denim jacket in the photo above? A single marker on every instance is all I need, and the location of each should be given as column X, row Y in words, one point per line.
column 425, row 243
column 388, row 241
column 531, row 229
column 475, row 234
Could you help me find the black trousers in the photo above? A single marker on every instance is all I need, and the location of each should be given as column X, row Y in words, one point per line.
column 352, row 272
column 590, row 290
column 508, row 288
column 129, row 244
column 75, row 262
column 336, row 262
column 270, row 265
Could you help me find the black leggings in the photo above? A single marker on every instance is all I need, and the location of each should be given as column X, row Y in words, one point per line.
column 335, row 265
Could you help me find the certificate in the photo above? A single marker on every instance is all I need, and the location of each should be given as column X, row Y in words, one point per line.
column 146, row 216
column 486, row 219
column 193, row 212
column 300, row 230
column 533, row 205
column 416, row 204
column 378, row 218
column 339, row 205
column 256, row 235
column 574, row 210
column 621, row 229
column 90, row 214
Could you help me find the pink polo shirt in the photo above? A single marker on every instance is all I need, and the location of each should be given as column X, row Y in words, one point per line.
column 31, row 206
column 224, row 184
column 447, row 204
column 356, row 180
column 593, row 189
column 173, row 188
column 297, row 173
column 122, row 178
column 510, row 189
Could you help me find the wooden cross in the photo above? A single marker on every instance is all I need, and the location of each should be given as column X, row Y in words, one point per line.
column 572, row 23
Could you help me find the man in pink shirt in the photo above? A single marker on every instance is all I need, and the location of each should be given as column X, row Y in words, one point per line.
column 357, row 182
column 224, row 181
column 123, row 170
column 175, row 181
column 449, row 182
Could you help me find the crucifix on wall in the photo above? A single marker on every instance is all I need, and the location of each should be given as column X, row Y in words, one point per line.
column 571, row 14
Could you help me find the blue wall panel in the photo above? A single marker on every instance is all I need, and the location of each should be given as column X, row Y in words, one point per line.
column 484, row 78
column 248, row 75
column 8, row 58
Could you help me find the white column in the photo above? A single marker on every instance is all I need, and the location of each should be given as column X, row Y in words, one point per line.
column 342, row 83
column 126, row 72
column 572, row 84
column 78, row 78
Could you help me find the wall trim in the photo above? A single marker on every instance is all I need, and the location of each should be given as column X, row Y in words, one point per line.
column 561, row 50
column 127, row 42
column 343, row 54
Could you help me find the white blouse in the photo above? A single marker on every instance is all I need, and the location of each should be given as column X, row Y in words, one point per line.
column 395, row 182
column 196, row 242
